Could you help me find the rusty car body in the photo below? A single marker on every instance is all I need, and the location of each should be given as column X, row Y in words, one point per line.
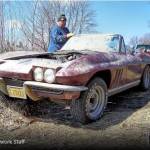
column 84, row 73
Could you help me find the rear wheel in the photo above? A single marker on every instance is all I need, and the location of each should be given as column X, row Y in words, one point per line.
column 145, row 81
column 91, row 104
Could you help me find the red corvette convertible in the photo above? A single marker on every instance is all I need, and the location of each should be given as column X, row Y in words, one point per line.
column 87, row 70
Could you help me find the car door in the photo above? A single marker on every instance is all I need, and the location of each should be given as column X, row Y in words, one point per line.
column 119, row 73
column 134, row 67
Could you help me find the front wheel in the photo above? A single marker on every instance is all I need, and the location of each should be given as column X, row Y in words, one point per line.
column 145, row 80
column 91, row 104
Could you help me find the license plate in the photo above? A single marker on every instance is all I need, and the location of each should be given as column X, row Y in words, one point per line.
column 18, row 92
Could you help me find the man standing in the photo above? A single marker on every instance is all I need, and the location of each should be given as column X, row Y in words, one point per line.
column 59, row 34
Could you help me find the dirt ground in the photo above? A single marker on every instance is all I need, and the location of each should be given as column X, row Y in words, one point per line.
column 126, row 123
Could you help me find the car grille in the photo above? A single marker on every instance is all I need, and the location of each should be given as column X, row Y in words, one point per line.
column 13, row 82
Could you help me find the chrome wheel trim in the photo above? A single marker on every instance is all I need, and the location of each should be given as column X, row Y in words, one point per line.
column 95, row 101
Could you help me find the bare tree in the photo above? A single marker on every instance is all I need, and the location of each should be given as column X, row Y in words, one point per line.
column 134, row 41
column 2, row 28
column 80, row 19
column 145, row 39
column 80, row 16
column 8, row 27
column 42, row 16
column 33, row 23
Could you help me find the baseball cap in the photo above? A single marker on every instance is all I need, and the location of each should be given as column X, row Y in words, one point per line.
column 62, row 17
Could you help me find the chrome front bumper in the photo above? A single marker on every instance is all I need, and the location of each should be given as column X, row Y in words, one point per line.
column 66, row 88
column 36, row 90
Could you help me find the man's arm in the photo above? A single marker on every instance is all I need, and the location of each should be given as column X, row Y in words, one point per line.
column 69, row 34
column 57, row 37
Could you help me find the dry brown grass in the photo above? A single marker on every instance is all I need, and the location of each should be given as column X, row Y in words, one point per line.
column 125, row 123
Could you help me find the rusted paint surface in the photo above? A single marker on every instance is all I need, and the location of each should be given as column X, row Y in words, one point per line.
column 77, row 68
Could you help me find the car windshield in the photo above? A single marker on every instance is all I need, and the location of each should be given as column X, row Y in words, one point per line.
column 97, row 42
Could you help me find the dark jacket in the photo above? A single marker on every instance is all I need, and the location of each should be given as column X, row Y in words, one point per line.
column 57, row 38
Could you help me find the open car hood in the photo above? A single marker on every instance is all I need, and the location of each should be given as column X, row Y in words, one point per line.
column 25, row 65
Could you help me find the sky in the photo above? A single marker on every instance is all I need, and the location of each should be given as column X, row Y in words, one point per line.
column 129, row 18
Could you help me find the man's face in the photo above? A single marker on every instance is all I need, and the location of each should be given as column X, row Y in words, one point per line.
column 62, row 23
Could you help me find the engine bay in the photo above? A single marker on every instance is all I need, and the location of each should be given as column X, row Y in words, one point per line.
column 66, row 57
column 59, row 56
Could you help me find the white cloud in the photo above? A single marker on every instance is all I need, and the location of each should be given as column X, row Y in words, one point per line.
column 15, row 24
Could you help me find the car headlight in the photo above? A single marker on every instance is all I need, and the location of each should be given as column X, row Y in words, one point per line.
column 38, row 74
column 49, row 75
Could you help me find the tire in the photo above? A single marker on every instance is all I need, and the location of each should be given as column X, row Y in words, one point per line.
column 91, row 104
column 145, row 80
